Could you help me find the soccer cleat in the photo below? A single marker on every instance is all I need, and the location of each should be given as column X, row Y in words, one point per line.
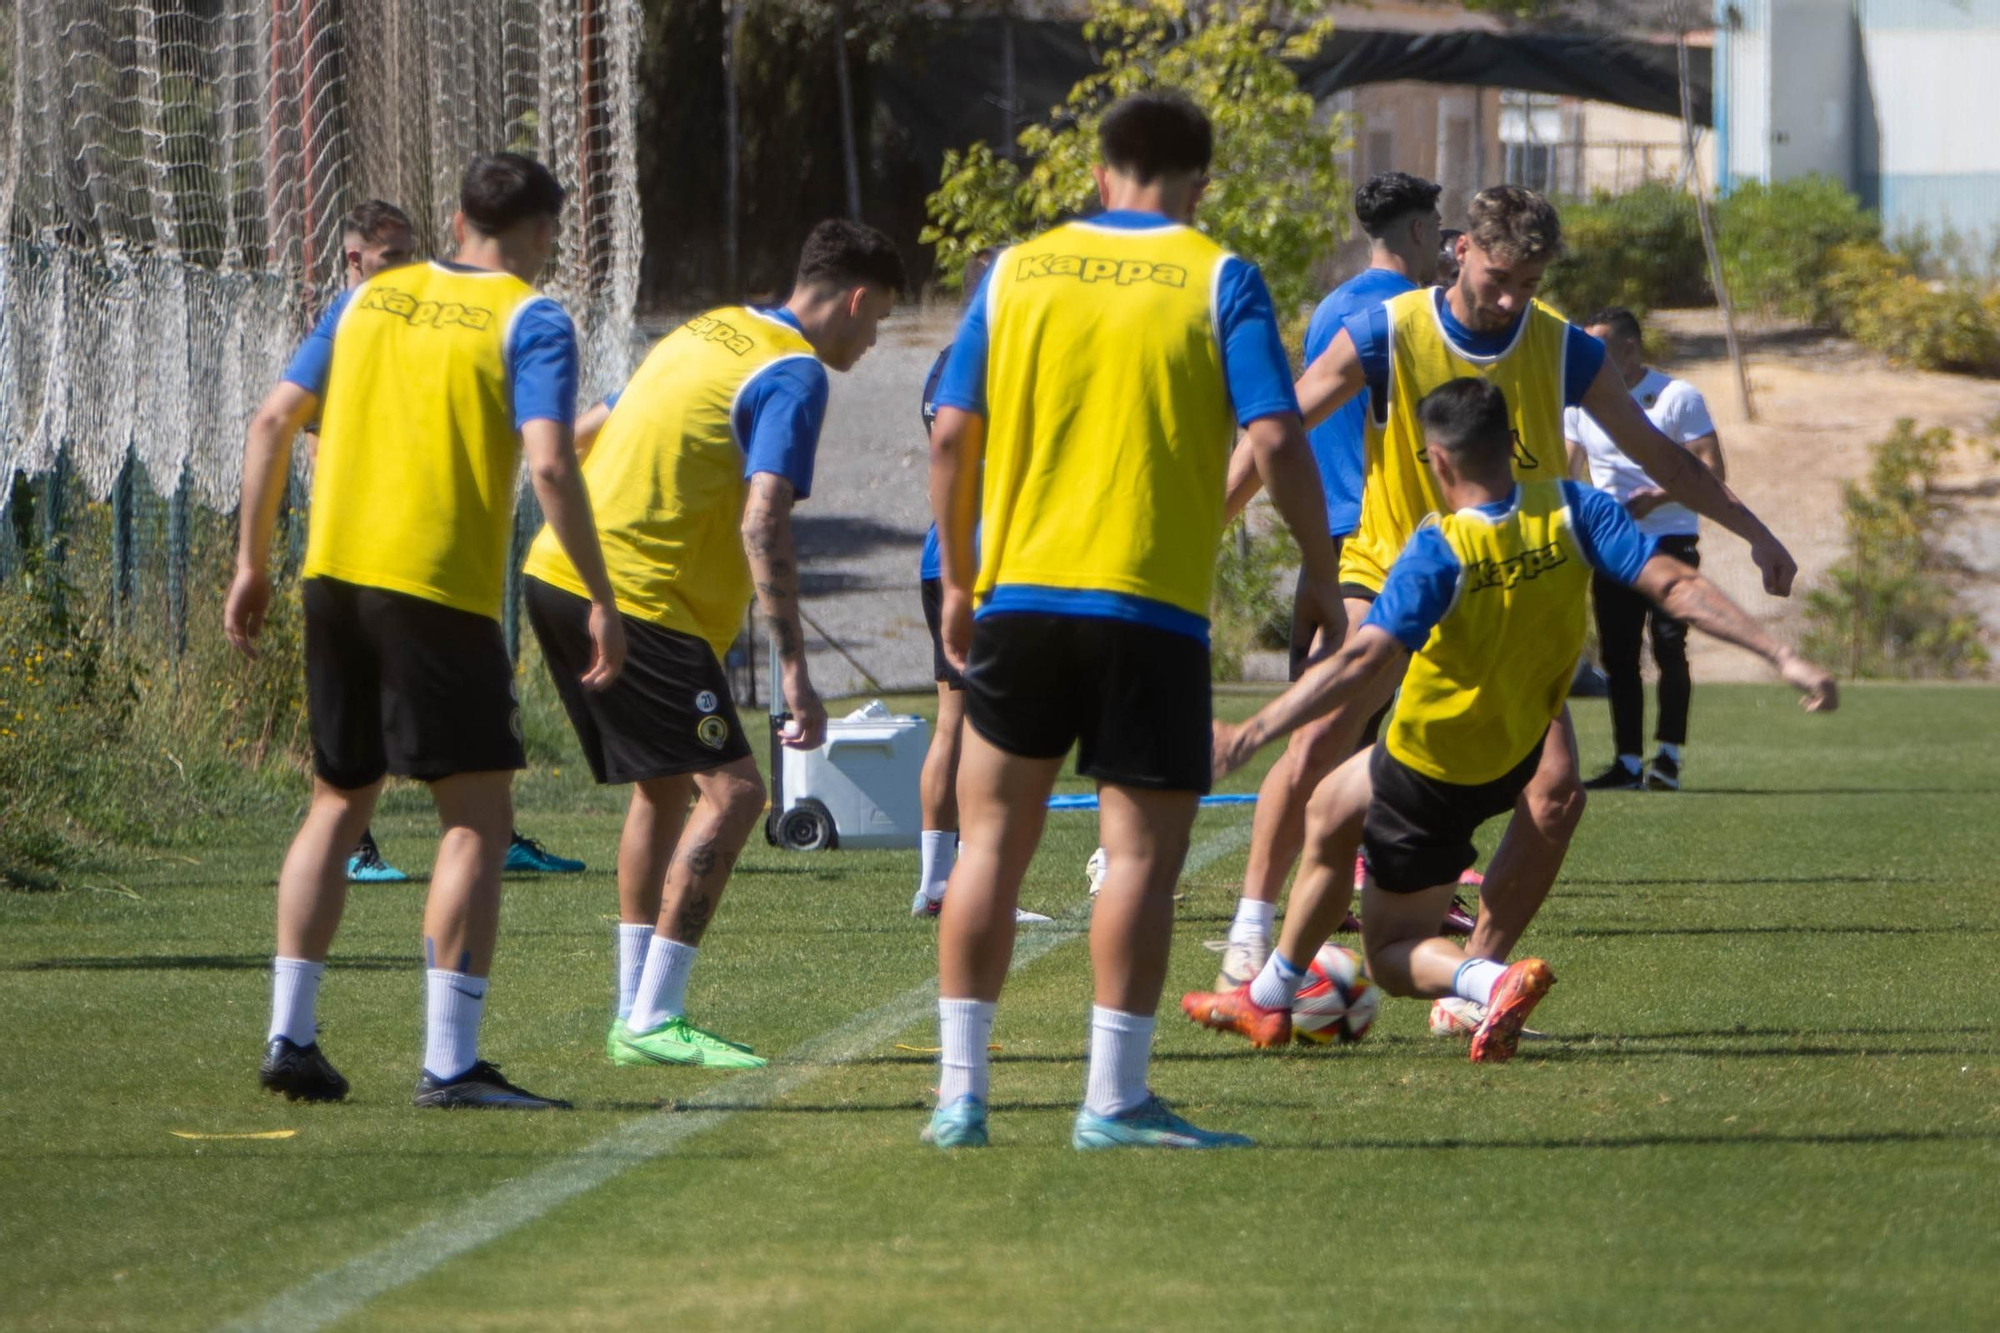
column 1093, row 870
column 480, row 1088
column 612, row 1038
column 960, row 1125
column 1234, row 1011
column 1469, row 878
column 1520, row 988
column 679, row 1042
column 1150, row 1124
column 1458, row 919
column 302, row 1073
column 366, row 866
column 1242, row 960
column 1616, row 778
column 525, row 854
column 1360, row 872
column 1456, row 1017
column 1663, row 774
column 923, row 905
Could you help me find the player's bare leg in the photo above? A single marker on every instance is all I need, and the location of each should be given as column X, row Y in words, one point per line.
column 1145, row 837
column 1406, row 956
column 1531, row 852
column 462, row 911
column 654, row 818
column 1002, row 804
column 937, row 794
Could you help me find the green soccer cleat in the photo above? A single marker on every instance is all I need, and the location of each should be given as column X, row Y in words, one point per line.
column 1150, row 1124
column 960, row 1125
column 679, row 1042
column 611, row 1040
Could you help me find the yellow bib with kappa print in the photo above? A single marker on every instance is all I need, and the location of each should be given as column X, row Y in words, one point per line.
column 1108, row 416
column 1496, row 669
column 413, row 487
column 1399, row 490
column 665, row 477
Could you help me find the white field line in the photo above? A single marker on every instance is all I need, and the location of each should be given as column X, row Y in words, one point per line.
column 513, row 1204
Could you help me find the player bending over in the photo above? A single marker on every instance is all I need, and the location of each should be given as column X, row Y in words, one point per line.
column 1482, row 618
column 693, row 470
column 424, row 419
column 1097, row 378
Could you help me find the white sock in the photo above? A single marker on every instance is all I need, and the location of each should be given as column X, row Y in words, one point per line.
column 1474, row 979
column 964, row 1026
column 294, row 999
column 1121, row 1044
column 1277, row 985
column 632, row 941
column 1671, row 751
column 1253, row 921
column 939, row 849
column 1633, row 763
column 663, row 984
column 451, row 1022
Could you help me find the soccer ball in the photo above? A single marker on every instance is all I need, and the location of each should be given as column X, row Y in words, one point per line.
column 1337, row 1001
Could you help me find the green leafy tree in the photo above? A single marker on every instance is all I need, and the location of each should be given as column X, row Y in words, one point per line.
column 1278, row 196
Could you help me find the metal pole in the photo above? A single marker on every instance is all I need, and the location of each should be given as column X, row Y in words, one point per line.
column 843, row 82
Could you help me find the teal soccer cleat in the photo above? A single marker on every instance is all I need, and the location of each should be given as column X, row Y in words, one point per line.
column 960, row 1125
column 1150, row 1124
column 525, row 854
column 366, row 866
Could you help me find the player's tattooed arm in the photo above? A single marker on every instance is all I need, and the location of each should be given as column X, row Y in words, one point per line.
column 774, row 571
column 1685, row 594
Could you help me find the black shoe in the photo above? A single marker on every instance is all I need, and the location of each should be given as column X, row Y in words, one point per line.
column 480, row 1088
column 1663, row 774
column 1616, row 778
column 302, row 1073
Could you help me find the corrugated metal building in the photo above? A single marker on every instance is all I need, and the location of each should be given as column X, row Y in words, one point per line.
column 1900, row 99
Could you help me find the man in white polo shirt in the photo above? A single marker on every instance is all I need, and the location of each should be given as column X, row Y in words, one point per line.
column 1623, row 617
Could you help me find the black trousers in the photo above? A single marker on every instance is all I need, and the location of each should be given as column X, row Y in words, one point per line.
column 1622, row 620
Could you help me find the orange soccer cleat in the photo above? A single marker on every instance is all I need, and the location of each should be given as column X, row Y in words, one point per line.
column 1520, row 988
column 1234, row 1011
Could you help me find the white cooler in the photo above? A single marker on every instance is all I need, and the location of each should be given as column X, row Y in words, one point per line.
column 858, row 790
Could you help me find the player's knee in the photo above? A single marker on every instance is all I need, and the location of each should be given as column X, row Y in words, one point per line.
column 740, row 798
column 1558, row 810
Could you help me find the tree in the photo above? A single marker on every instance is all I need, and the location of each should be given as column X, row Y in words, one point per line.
column 1278, row 195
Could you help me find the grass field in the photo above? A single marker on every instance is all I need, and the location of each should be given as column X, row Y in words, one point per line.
column 1771, row 1095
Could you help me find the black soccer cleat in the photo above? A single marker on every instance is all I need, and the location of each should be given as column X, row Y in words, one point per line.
column 480, row 1088
column 1663, row 774
column 1616, row 778
column 302, row 1073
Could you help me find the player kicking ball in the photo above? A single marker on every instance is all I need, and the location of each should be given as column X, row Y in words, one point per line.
column 694, row 469
column 1482, row 617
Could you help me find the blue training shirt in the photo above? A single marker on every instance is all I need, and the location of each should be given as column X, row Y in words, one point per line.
column 1337, row 443
column 1423, row 582
column 542, row 360
column 1584, row 355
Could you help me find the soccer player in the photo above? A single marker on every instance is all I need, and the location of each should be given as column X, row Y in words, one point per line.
column 1489, row 325
column 1676, row 408
column 429, row 382
column 1097, row 378
column 693, row 471
column 1481, row 618
column 1398, row 212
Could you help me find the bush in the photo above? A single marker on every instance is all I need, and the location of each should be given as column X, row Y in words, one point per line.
column 1888, row 608
column 1252, row 606
column 1641, row 249
column 1877, row 299
column 1777, row 243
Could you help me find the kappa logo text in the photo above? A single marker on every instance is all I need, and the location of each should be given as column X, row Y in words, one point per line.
column 710, row 329
column 1482, row 575
column 1085, row 268
column 426, row 314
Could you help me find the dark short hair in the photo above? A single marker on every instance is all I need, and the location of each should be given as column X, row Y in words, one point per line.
column 501, row 190
column 1448, row 239
column 1622, row 323
column 1388, row 197
column 370, row 220
column 1149, row 135
column 976, row 266
column 1515, row 225
column 847, row 254
column 1467, row 418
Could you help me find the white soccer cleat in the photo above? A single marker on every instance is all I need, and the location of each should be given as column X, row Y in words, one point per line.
column 1242, row 960
column 1093, row 870
column 1457, row 1018
column 1023, row 917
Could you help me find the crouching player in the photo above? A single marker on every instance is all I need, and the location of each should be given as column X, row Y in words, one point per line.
column 716, row 432
column 1490, row 599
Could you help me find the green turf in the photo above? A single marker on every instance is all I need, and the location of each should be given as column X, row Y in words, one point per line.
column 1772, row 1096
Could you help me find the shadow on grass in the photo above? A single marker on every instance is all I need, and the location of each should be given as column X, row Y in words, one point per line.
column 1841, row 791
column 1603, row 932
column 189, row 962
column 1856, row 1139
column 1717, row 881
column 1696, row 1034
column 1077, row 1057
column 918, row 1104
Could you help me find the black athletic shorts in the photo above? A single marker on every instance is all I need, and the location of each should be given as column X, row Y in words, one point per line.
column 669, row 710
column 398, row 684
column 1133, row 699
column 1418, row 833
column 941, row 670
column 1358, row 592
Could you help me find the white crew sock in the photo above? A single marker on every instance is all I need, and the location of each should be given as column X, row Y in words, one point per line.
column 964, row 1026
column 1633, row 763
column 451, row 1022
column 663, row 984
column 633, row 937
column 295, row 999
column 1253, row 921
column 1475, row 978
column 1277, row 985
column 939, row 849
column 1671, row 751
column 1121, row 1044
